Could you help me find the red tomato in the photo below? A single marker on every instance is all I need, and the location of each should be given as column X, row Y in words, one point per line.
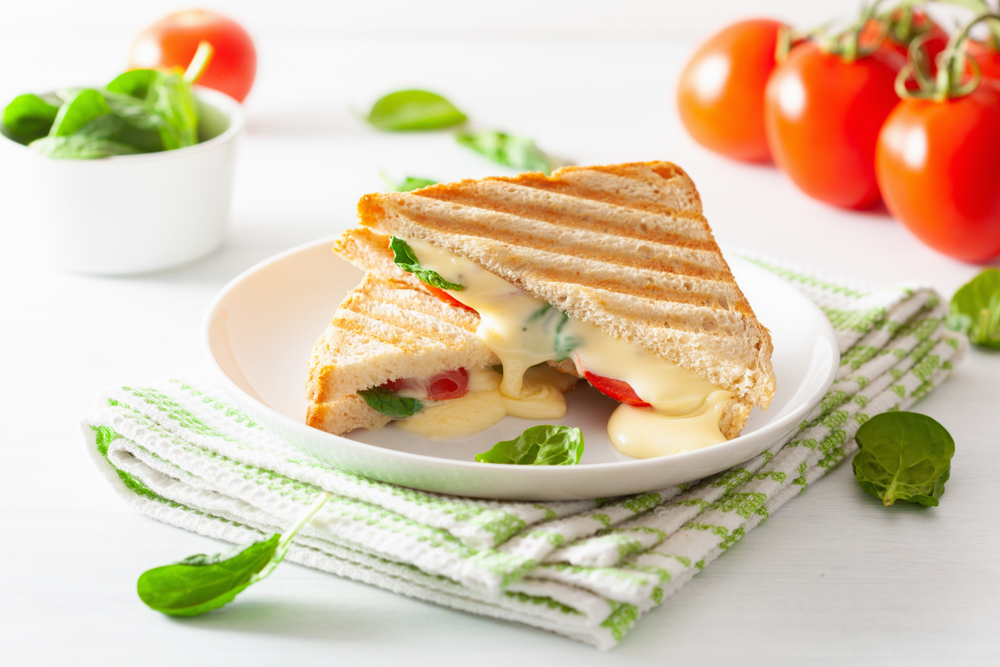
column 447, row 298
column 619, row 390
column 939, row 169
column 172, row 41
column 986, row 57
column 440, row 387
column 823, row 115
column 721, row 93
column 935, row 42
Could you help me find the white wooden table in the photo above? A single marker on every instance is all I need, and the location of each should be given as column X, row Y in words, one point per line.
column 831, row 579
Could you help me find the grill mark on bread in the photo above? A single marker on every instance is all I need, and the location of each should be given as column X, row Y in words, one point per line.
column 408, row 298
column 560, row 210
column 401, row 325
column 581, row 244
column 704, row 293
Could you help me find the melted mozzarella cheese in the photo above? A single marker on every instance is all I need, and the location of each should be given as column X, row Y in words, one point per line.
column 644, row 433
column 523, row 331
column 485, row 405
column 456, row 417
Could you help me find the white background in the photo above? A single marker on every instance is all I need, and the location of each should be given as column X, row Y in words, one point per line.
column 831, row 579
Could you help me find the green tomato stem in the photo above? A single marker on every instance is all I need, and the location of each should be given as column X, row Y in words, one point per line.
column 199, row 63
column 951, row 67
column 846, row 44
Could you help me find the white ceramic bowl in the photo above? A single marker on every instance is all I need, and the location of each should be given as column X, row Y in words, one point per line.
column 135, row 213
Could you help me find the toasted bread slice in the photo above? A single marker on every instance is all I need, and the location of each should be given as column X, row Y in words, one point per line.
column 384, row 330
column 624, row 247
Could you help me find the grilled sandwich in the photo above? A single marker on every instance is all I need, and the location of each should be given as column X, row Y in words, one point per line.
column 609, row 273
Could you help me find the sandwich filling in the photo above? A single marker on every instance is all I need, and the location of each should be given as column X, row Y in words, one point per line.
column 483, row 405
column 666, row 409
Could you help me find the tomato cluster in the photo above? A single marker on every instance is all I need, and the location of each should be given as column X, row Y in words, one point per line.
column 851, row 121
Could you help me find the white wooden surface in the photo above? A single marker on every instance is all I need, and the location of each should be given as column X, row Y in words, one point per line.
column 831, row 579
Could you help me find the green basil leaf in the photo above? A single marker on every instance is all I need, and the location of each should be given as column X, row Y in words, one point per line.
column 552, row 320
column 564, row 343
column 170, row 97
column 202, row 583
column 135, row 83
column 406, row 259
column 414, row 110
column 133, row 111
column 29, row 117
column 520, row 153
column 80, row 147
column 975, row 309
column 77, row 111
column 390, row 404
column 408, row 184
column 142, row 125
column 538, row 445
column 903, row 456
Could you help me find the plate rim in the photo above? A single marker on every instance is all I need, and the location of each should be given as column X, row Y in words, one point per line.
column 782, row 425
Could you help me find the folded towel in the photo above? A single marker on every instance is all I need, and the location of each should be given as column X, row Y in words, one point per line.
column 181, row 453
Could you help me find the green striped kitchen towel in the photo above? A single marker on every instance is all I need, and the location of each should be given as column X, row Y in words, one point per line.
column 181, row 453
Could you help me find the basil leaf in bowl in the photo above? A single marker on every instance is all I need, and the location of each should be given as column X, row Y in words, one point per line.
column 29, row 117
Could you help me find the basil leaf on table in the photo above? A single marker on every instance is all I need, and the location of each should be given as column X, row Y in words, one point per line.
column 510, row 150
column 204, row 582
column 975, row 309
column 414, row 110
column 538, row 445
column 408, row 184
column 406, row 259
column 29, row 117
column 390, row 404
column 903, row 456
column 77, row 111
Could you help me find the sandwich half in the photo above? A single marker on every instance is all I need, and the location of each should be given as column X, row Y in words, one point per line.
column 610, row 273
column 395, row 351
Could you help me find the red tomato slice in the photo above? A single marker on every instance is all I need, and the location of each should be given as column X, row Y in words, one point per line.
column 440, row 387
column 447, row 298
column 619, row 390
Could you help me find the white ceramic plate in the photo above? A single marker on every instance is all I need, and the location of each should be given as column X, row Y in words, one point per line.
column 260, row 330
